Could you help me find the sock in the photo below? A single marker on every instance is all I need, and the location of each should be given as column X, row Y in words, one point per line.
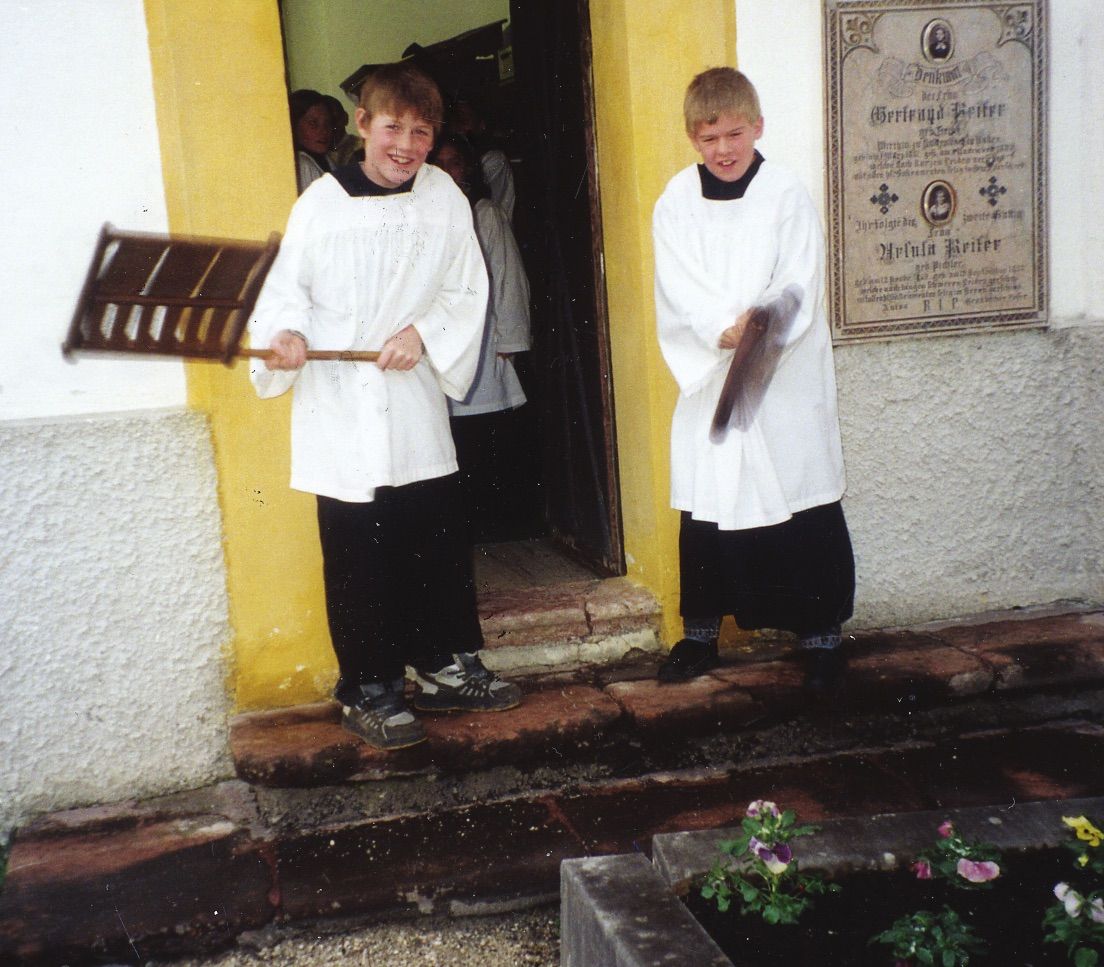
column 704, row 630
column 829, row 639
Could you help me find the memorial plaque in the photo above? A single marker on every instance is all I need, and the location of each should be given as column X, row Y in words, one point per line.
column 937, row 166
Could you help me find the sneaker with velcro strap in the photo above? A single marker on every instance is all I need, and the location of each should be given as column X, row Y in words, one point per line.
column 381, row 718
column 464, row 686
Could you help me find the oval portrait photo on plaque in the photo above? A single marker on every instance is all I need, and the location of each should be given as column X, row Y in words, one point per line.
column 938, row 203
column 937, row 41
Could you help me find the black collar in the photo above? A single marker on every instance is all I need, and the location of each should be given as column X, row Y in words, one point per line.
column 357, row 184
column 714, row 189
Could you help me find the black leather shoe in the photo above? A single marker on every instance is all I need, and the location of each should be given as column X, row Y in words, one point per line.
column 689, row 659
column 825, row 669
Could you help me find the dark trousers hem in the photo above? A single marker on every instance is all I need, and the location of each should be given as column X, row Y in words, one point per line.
column 399, row 584
column 795, row 576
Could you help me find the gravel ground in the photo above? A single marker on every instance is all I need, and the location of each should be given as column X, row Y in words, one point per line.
column 525, row 939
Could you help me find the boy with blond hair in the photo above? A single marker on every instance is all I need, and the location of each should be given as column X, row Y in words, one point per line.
column 762, row 534
column 381, row 255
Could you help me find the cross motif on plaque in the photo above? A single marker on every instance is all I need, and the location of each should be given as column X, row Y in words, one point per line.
column 884, row 199
column 992, row 190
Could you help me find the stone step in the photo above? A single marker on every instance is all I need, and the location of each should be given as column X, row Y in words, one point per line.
column 603, row 710
column 567, row 625
column 1003, row 709
column 190, row 872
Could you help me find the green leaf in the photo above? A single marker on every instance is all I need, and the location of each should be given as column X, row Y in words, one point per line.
column 949, row 958
column 1084, row 957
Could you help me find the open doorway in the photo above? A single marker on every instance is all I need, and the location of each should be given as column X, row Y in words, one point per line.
column 531, row 78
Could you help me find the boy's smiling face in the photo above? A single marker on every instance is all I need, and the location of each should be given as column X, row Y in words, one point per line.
column 395, row 146
column 727, row 146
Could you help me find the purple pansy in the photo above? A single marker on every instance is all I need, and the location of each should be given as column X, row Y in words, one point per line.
column 761, row 806
column 922, row 869
column 775, row 858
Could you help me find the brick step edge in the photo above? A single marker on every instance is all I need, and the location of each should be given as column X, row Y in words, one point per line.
column 904, row 669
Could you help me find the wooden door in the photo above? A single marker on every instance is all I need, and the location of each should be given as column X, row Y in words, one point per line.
column 559, row 221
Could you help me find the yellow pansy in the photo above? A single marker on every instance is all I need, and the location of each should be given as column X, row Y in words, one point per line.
column 1084, row 829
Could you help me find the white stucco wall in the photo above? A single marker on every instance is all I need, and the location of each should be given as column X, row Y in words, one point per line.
column 113, row 611
column 974, row 462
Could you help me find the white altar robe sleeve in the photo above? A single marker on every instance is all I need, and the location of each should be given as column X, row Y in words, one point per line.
column 508, row 308
column 452, row 328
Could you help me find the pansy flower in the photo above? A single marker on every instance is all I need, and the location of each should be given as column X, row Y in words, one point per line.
column 775, row 858
column 762, row 807
column 977, row 871
column 1085, row 830
column 1070, row 898
column 1096, row 910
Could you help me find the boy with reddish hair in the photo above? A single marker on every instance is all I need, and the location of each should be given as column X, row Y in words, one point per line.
column 381, row 255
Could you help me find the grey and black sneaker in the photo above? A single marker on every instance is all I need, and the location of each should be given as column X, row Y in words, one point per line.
column 381, row 717
column 464, row 686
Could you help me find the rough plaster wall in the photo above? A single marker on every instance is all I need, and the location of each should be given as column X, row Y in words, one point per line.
column 113, row 610
column 975, row 470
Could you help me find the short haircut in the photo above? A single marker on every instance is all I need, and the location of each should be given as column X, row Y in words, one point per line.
column 398, row 88
column 717, row 91
column 477, row 183
column 302, row 101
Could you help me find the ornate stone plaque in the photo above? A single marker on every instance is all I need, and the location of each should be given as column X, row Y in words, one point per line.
column 937, row 166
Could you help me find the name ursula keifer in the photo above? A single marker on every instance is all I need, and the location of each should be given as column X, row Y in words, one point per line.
column 952, row 248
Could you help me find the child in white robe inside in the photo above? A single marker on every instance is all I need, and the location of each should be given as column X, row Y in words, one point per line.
column 312, row 133
column 381, row 255
column 485, row 423
column 762, row 534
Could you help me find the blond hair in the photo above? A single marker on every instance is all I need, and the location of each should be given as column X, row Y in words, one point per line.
column 717, row 91
column 399, row 88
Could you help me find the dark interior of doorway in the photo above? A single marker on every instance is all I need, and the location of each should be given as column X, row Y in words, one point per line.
column 561, row 508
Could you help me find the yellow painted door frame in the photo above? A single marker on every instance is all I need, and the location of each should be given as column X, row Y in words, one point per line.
column 644, row 56
column 218, row 73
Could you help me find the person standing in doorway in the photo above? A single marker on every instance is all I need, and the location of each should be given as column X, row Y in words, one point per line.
column 485, row 425
column 382, row 255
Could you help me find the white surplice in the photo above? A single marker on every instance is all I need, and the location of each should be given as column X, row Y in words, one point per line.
column 352, row 271
column 714, row 260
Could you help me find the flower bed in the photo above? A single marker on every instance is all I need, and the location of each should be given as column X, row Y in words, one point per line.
column 837, row 929
column 958, row 901
column 622, row 911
